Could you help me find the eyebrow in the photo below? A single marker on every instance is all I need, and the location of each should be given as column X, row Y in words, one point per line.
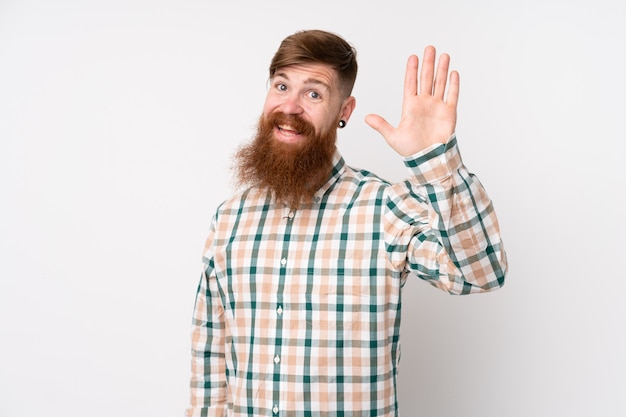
column 315, row 81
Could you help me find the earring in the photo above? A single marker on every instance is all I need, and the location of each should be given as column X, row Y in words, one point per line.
column 342, row 124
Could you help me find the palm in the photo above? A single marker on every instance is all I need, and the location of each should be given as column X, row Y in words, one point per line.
column 428, row 116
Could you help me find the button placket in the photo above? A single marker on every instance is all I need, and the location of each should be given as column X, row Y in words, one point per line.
column 288, row 215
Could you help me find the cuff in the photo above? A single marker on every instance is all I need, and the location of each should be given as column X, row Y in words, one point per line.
column 435, row 163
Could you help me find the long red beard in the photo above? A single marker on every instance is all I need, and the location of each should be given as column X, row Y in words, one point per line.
column 291, row 172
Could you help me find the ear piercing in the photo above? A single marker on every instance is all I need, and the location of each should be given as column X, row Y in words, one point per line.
column 342, row 124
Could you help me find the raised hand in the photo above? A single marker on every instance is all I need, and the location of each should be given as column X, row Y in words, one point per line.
column 428, row 113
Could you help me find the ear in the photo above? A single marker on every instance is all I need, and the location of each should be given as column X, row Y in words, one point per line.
column 347, row 108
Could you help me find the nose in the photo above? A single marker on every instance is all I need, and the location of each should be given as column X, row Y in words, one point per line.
column 291, row 104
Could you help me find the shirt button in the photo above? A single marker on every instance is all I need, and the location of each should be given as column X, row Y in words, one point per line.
column 283, row 262
column 291, row 215
column 275, row 409
column 436, row 162
column 279, row 310
column 276, row 359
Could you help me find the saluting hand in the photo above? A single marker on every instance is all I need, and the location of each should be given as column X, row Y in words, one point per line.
column 428, row 113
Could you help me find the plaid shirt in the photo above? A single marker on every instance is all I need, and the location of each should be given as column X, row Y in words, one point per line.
column 298, row 312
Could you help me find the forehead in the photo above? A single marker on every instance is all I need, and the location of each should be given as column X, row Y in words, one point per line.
column 309, row 74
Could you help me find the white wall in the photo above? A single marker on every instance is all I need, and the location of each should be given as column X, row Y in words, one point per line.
column 117, row 122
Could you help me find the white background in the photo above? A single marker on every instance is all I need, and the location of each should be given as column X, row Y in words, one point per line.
column 118, row 120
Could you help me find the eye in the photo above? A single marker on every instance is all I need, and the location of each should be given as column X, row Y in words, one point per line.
column 314, row 95
column 281, row 87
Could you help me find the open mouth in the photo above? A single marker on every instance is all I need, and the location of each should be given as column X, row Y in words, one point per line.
column 288, row 130
column 288, row 133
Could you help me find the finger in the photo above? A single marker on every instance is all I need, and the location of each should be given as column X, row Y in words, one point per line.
column 379, row 124
column 410, row 76
column 453, row 89
column 442, row 76
column 428, row 71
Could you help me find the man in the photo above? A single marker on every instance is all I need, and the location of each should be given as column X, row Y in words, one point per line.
column 298, row 310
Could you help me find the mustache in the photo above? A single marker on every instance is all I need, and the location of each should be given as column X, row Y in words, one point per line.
column 297, row 123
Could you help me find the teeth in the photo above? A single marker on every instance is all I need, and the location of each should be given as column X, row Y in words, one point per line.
column 288, row 129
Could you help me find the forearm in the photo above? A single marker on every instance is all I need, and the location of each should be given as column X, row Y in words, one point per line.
column 456, row 243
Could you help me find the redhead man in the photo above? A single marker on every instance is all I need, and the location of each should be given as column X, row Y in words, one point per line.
column 298, row 310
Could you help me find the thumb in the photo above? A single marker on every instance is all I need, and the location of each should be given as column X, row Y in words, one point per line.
column 379, row 124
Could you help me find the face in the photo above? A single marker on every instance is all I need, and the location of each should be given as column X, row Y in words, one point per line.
column 292, row 153
column 312, row 93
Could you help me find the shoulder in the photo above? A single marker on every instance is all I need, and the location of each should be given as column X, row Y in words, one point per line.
column 363, row 176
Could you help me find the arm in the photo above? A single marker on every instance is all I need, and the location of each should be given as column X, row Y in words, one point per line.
column 441, row 223
column 209, row 395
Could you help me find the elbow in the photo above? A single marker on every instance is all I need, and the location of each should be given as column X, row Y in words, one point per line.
column 493, row 280
column 482, row 280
